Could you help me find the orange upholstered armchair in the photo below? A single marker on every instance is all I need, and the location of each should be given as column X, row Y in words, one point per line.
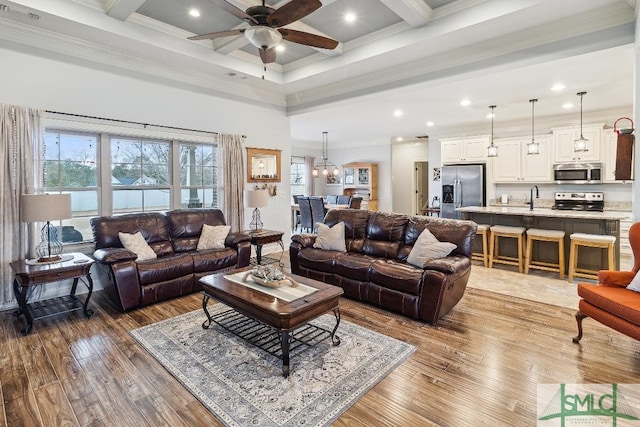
column 610, row 302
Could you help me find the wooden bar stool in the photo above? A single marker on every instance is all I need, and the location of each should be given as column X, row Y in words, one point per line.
column 602, row 241
column 505, row 231
column 483, row 231
column 556, row 236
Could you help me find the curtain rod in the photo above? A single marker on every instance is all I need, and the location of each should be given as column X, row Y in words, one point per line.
column 134, row 123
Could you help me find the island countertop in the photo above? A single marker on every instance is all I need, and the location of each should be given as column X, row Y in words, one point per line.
column 546, row 212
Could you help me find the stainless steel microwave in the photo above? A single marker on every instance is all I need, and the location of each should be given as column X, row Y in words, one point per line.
column 577, row 173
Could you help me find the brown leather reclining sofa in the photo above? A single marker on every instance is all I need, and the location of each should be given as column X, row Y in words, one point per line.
column 173, row 236
column 374, row 268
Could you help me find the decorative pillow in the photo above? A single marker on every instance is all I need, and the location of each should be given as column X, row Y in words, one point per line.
column 136, row 244
column 635, row 283
column 330, row 238
column 428, row 247
column 213, row 236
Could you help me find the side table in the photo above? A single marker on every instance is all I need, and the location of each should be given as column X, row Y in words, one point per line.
column 262, row 237
column 28, row 275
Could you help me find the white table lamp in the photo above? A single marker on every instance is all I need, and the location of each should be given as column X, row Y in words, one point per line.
column 256, row 199
column 46, row 208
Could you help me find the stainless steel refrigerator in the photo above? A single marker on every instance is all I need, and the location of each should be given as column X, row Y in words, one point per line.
column 462, row 185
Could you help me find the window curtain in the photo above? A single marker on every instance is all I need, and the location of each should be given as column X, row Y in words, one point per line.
column 233, row 180
column 309, row 180
column 22, row 153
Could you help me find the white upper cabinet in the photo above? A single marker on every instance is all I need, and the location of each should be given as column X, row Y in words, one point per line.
column 469, row 150
column 514, row 165
column 563, row 139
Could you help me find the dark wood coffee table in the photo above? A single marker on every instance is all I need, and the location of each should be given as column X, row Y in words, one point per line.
column 271, row 312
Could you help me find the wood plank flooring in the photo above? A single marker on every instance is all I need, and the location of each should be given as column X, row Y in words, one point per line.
column 479, row 366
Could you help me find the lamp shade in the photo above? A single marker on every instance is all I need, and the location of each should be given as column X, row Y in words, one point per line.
column 256, row 199
column 45, row 207
column 263, row 37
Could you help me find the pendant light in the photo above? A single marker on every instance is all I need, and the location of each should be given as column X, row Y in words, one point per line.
column 580, row 145
column 324, row 164
column 492, row 150
column 533, row 147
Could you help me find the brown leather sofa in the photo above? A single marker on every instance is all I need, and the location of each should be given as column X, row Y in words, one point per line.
column 173, row 236
column 610, row 302
column 374, row 268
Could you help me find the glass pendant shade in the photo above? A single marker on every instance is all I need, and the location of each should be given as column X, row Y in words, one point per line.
column 533, row 147
column 315, row 172
column 580, row 144
column 492, row 150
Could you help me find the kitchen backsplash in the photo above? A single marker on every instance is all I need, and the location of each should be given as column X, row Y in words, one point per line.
column 623, row 206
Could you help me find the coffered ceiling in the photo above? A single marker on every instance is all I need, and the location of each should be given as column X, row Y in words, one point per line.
column 421, row 56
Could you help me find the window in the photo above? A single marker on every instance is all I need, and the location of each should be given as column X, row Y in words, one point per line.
column 71, row 167
column 198, row 176
column 140, row 175
column 108, row 172
column 297, row 175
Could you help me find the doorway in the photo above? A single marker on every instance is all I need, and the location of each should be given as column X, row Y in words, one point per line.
column 421, row 184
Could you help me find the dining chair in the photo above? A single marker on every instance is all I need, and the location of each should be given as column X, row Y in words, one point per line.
column 317, row 211
column 306, row 219
column 343, row 200
column 332, row 199
column 355, row 202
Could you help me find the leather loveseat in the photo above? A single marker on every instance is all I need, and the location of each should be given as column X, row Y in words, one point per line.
column 610, row 302
column 173, row 236
column 374, row 268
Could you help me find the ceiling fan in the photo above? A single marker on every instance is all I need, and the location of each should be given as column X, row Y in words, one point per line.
column 265, row 22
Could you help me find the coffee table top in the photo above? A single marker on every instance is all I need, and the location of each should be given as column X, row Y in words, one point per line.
column 271, row 310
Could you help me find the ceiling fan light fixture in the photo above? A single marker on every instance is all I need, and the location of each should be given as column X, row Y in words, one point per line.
column 580, row 144
column 492, row 150
column 263, row 37
column 533, row 147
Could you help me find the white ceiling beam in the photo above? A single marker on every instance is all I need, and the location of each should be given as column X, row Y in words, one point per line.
column 122, row 9
column 413, row 12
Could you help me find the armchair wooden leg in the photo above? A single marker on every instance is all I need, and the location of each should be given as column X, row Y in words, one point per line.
column 579, row 317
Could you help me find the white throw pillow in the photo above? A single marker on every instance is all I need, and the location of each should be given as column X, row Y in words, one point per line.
column 136, row 244
column 213, row 236
column 635, row 283
column 330, row 238
column 428, row 247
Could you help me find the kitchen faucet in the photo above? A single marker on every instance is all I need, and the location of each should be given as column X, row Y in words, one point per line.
column 530, row 202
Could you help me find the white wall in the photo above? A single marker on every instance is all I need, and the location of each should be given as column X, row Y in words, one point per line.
column 404, row 155
column 52, row 85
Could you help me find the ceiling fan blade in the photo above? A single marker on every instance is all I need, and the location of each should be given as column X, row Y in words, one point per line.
column 209, row 36
column 234, row 10
column 308, row 39
column 292, row 11
column 267, row 55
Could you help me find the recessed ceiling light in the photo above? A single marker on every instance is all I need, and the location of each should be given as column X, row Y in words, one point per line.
column 194, row 12
column 280, row 48
column 465, row 102
column 398, row 113
column 558, row 87
column 491, row 115
column 350, row 17
column 567, row 105
column 399, row 139
column 430, row 124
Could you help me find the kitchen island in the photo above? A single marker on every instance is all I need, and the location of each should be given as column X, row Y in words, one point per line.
column 607, row 222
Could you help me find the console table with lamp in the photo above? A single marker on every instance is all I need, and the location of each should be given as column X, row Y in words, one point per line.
column 51, row 265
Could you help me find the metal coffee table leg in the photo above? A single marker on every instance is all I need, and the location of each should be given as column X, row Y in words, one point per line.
column 334, row 338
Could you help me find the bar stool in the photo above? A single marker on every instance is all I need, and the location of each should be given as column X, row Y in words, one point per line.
column 556, row 236
column 498, row 231
column 602, row 241
column 483, row 231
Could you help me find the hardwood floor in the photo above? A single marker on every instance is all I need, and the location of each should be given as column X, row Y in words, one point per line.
column 479, row 365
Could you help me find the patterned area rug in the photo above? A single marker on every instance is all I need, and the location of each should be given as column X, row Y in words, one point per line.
column 243, row 385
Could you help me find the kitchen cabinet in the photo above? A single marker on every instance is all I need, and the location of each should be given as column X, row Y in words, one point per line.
column 469, row 150
column 361, row 180
column 514, row 165
column 563, row 139
column 609, row 151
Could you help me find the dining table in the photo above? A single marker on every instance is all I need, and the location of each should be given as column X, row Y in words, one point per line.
column 295, row 209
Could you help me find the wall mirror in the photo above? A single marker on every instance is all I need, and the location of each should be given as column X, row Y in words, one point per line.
column 263, row 165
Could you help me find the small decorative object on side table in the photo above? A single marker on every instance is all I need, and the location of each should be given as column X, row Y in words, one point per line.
column 74, row 266
column 262, row 237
